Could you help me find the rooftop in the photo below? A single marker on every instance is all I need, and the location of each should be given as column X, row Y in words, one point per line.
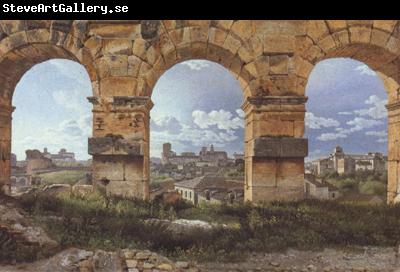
column 209, row 181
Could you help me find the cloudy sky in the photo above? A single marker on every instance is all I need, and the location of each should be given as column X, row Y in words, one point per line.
column 52, row 110
column 197, row 103
column 346, row 107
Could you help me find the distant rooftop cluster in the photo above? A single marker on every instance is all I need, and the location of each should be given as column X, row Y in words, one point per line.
column 342, row 163
column 211, row 156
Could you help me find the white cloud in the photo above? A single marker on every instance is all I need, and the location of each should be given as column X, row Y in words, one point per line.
column 315, row 154
column 357, row 124
column 196, row 65
column 200, row 133
column 360, row 123
column 382, row 140
column 240, row 113
column 72, row 70
column 315, row 122
column 166, row 123
column 69, row 134
column 365, row 70
column 222, row 119
column 345, row 113
column 69, row 99
column 331, row 136
column 381, row 134
column 377, row 109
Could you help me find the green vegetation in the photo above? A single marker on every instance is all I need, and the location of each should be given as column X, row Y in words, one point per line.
column 360, row 182
column 66, row 176
column 112, row 223
column 156, row 181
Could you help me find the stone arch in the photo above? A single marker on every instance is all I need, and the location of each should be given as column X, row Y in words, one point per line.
column 229, row 43
column 24, row 44
column 373, row 42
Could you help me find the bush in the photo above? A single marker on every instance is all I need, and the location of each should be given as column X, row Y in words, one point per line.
column 372, row 187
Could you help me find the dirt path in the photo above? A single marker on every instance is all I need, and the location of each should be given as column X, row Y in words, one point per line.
column 364, row 259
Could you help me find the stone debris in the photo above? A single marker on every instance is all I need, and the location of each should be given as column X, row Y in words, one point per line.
column 23, row 233
column 126, row 260
column 149, row 261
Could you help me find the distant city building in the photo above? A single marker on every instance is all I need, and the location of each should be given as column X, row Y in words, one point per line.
column 238, row 157
column 209, row 188
column 320, row 189
column 216, row 158
column 37, row 161
column 342, row 163
column 13, row 160
column 210, row 157
column 62, row 156
column 323, row 166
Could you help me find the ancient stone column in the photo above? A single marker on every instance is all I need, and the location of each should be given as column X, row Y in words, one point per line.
column 5, row 147
column 274, row 148
column 120, row 145
column 393, row 164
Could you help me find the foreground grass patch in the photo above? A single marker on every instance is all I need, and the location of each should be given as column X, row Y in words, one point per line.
column 112, row 223
column 66, row 176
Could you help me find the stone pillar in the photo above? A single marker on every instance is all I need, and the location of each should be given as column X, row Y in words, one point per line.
column 393, row 164
column 5, row 147
column 120, row 145
column 274, row 148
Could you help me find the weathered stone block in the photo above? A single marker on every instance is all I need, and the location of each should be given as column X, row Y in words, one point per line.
column 360, row 34
column 114, row 145
column 281, row 147
column 335, row 25
column 278, row 64
column 279, row 44
column 118, row 46
column 149, row 28
column 121, row 30
column 386, row 25
column 317, row 29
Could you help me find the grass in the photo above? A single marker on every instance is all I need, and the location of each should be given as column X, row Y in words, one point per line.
column 361, row 182
column 113, row 223
column 66, row 176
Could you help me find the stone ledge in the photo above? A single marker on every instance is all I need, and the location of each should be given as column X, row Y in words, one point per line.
column 393, row 106
column 280, row 147
column 114, row 145
column 258, row 101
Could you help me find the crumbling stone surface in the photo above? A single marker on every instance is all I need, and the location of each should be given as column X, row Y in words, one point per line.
column 114, row 145
column 74, row 260
column 82, row 189
column 19, row 232
column 281, row 147
column 55, row 189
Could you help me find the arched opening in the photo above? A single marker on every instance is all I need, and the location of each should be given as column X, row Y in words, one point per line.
column 346, row 125
column 38, row 92
column 52, row 116
column 197, row 128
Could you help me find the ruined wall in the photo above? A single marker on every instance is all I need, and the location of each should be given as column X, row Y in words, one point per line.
column 271, row 60
column 36, row 161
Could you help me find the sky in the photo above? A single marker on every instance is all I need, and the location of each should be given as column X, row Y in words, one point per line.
column 52, row 110
column 346, row 107
column 197, row 103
